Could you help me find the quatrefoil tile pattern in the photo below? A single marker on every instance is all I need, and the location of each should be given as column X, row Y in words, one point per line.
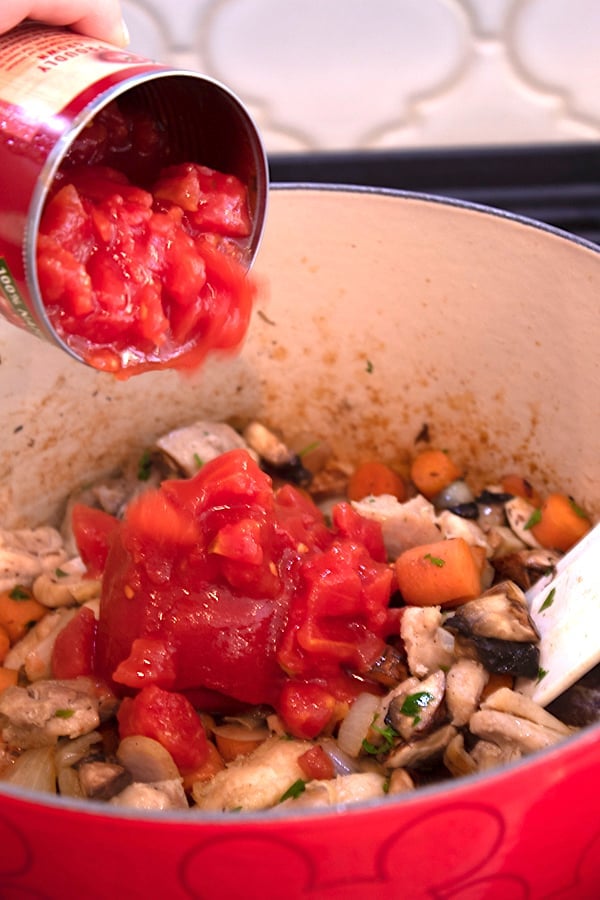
column 372, row 74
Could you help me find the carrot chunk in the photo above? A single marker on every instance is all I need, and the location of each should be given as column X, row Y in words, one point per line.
column 440, row 574
column 19, row 611
column 8, row 678
column 433, row 470
column 520, row 487
column 375, row 478
column 561, row 523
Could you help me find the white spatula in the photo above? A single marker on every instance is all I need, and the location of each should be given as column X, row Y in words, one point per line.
column 566, row 610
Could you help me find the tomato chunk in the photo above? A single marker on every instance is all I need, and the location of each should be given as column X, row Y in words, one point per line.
column 168, row 718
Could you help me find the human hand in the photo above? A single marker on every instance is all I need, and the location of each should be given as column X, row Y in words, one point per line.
column 95, row 18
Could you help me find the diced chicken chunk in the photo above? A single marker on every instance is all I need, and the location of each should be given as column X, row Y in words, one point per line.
column 40, row 713
column 404, row 525
column 256, row 781
column 337, row 791
column 428, row 646
column 158, row 795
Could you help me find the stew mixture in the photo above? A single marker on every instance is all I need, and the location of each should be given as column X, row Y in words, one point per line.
column 236, row 622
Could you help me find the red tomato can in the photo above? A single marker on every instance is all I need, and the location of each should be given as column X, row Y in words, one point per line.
column 52, row 84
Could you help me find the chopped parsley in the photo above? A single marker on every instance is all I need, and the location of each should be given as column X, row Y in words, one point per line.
column 549, row 600
column 534, row 518
column 309, row 448
column 387, row 733
column 64, row 713
column 60, row 573
column 369, row 366
column 435, row 560
column 198, row 460
column 414, row 703
column 19, row 593
column 577, row 509
column 294, row 790
column 144, row 466
column 541, row 674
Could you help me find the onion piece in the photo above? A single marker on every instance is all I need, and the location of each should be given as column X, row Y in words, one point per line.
column 34, row 769
column 355, row 727
column 343, row 764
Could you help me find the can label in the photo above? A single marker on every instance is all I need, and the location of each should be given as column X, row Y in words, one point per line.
column 12, row 303
column 39, row 66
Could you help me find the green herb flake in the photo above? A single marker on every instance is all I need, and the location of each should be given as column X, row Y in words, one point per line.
column 198, row 460
column 60, row 573
column 534, row 518
column 369, row 366
column 386, row 785
column 435, row 560
column 64, row 713
column 309, row 448
column 144, row 466
column 549, row 600
column 294, row 790
column 388, row 734
column 414, row 703
column 19, row 593
column 541, row 674
column 577, row 509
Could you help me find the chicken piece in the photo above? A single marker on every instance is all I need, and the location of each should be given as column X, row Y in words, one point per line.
column 453, row 526
column 339, row 791
column 157, row 795
column 188, row 448
column 509, row 719
column 465, row 682
column 37, row 715
column 26, row 553
column 403, row 525
column 33, row 652
column 256, row 781
column 428, row 646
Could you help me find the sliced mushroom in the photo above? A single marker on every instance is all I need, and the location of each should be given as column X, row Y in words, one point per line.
column 486, row 755
column 413, row 710
column 422, row 752
column 400, row 782
column 102, row 780
column 275, row 456
column 389, row 669
column 456, row 758
column 465, row 682
column 519, row 512
column 428, row 646
column 146, row 760
column 65, row 585
column 510, row 719
column 580, row 704
column 453, row 526
column 496, row 629
column 500, row 612
column 526, row 566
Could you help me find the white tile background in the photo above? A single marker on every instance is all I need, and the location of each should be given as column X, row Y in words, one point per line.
column 357, row 74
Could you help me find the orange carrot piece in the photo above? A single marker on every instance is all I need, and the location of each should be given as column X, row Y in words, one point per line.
column 8, row 678
column 19, row 611
column 4, row 643
column 520, row 487
column 495, row 682
column 561, row 523
column 375, row 478
column 440, row 574
column 433, row 470
column 214, row 763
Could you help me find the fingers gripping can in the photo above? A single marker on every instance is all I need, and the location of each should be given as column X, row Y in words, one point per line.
column 52, row 84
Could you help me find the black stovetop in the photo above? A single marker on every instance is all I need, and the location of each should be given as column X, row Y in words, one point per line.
column 558, row 184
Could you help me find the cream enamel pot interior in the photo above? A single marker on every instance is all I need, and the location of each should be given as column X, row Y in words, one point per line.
column 379, row 312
